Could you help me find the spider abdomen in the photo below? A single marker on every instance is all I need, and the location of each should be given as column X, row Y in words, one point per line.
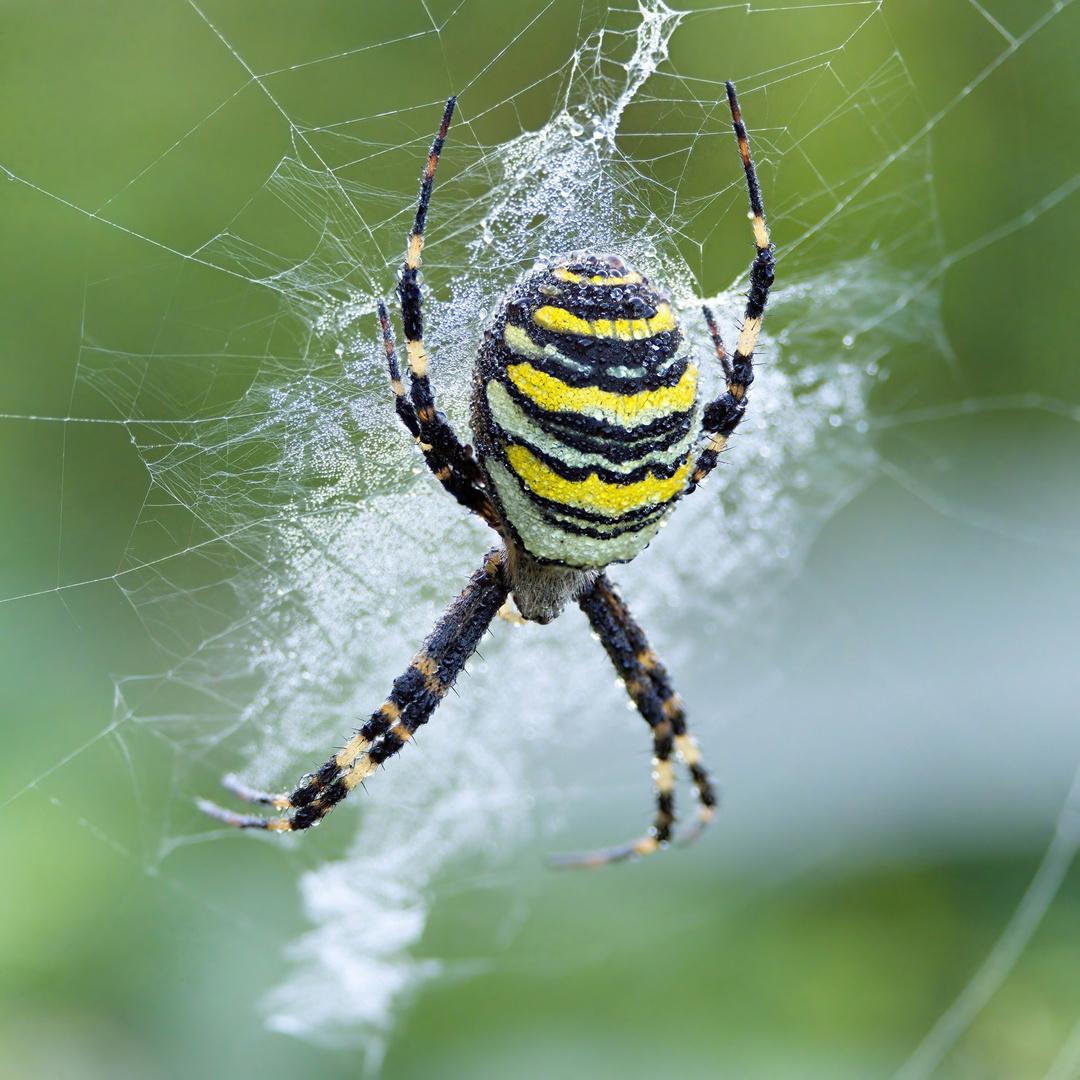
column 585, row 410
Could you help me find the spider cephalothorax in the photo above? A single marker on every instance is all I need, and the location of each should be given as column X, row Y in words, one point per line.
column 588, row 430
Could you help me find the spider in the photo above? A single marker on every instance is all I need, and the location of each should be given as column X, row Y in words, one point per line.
column 588, row 431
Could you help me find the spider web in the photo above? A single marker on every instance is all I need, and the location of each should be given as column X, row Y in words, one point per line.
column 290, row 551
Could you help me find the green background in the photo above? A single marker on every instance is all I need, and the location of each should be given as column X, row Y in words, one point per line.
column 951, row 579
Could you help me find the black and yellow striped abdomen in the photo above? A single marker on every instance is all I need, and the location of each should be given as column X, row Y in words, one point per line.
column 584, row 410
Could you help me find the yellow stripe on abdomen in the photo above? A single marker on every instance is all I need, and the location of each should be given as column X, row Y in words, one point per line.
column 632, row 277
column 593, row 494
column 625, row 410
column 560, row 321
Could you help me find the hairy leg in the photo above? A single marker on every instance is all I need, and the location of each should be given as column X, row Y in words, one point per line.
column 414, row 697
column 649, row 686
column 722, row 416
column 453, row 463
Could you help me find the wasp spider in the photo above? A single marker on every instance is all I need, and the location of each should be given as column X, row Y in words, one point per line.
column 588, row 430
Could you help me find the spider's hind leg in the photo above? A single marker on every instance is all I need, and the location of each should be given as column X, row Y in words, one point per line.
column 454, row 464
column 650, row 689
column 414, row 697
column 722, row 415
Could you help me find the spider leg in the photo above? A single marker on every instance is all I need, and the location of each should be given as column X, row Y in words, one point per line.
column 722, row 415
column 414, row 697
column 454, row 464
column 650, row 689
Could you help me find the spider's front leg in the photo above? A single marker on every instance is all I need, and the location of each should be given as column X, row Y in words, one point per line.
column 454, row 464
column 414, row 697
column 650, row 689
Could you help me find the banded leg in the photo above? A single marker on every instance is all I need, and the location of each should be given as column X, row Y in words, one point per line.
column 453, row 464
column 650, row 689
column 722, row 415
column 414, row 697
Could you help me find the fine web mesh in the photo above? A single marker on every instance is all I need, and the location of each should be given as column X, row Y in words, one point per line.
column 292, row 551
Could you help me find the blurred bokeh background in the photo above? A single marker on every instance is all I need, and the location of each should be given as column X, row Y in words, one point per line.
column 891, row 709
